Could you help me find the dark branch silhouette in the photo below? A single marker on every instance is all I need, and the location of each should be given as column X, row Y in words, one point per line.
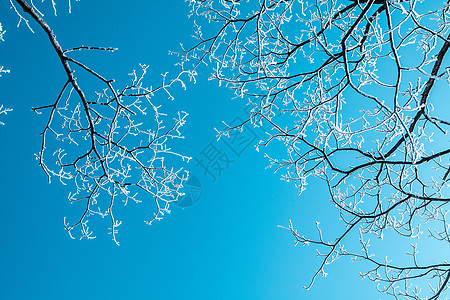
column 348, row 88
column 104, row 143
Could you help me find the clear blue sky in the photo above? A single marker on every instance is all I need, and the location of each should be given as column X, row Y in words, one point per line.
column 227, row 246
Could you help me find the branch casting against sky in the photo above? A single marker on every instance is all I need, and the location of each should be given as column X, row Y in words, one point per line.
column 346, row 87
column 117, row 155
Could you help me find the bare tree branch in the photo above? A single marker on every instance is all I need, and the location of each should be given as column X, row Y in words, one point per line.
column 105, row 143
column 347, row 87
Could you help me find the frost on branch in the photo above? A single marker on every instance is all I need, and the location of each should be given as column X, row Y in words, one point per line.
column 2, row 32
column 111, row 142
column 114, row 147
column 350, row 89
column 3, row 110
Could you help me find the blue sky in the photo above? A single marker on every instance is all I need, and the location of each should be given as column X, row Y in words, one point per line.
column 226, row 246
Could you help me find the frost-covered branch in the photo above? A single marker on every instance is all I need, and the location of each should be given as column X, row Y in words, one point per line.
column 3, row 110
column 349, row 89
column 111, row 141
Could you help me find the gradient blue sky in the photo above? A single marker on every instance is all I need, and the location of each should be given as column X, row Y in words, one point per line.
column 227, row 246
